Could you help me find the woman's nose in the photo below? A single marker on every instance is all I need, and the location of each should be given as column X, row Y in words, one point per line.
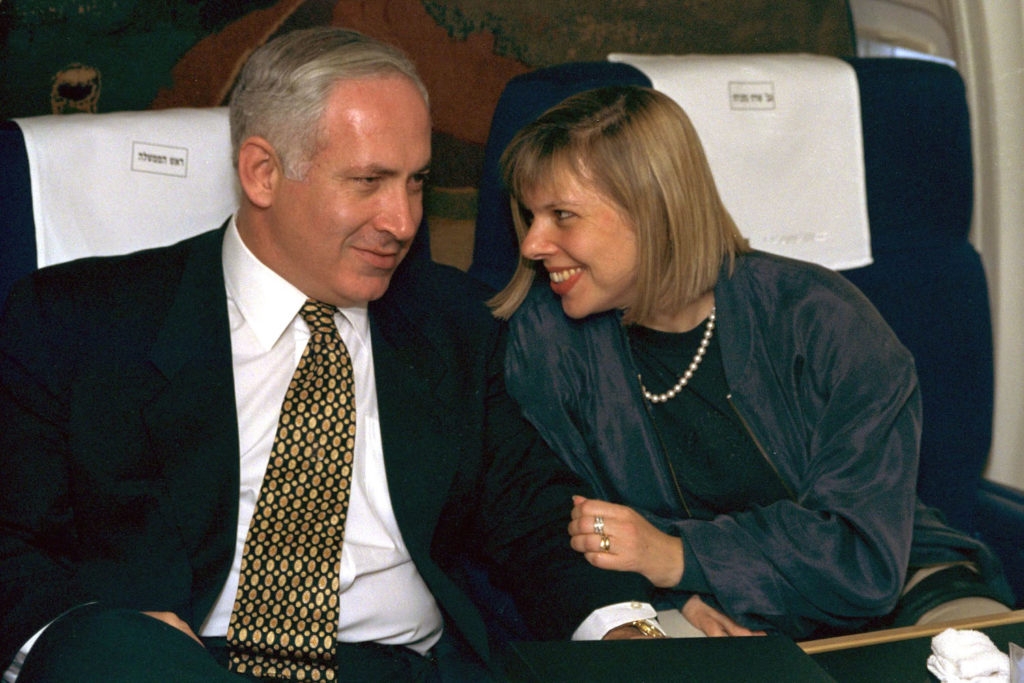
column 536, row 244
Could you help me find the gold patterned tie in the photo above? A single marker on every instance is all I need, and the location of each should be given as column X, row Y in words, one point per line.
column 284, row 623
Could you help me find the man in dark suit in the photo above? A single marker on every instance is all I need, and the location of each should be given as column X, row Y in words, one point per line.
column 140, row 398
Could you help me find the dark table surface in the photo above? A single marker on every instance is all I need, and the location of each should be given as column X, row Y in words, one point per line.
column 902, row 661
column 897, row 656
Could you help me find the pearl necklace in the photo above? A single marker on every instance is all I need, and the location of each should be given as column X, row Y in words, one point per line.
column 694, row 364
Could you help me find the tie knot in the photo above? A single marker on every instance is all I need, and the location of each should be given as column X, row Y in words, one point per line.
column 319, row 316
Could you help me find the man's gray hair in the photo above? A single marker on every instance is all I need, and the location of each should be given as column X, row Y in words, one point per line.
column 282, row 90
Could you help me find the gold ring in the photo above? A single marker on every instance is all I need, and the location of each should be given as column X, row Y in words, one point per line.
column 606, row 543
column 599, row 525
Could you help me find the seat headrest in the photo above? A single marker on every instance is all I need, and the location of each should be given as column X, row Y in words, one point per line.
column 113, row 183
column 782, row 133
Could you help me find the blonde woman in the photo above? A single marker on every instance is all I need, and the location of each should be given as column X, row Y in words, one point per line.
column 750, row 422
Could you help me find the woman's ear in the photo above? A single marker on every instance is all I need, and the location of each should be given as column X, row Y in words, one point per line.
column 259, row 171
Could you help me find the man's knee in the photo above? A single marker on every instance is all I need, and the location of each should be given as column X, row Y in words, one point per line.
column 101, row 644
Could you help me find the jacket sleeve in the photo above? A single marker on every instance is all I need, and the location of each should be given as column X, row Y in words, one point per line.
column 834, row 405
column 36, row 580
column 525, row 500
column 503, row 497
column 117, row 489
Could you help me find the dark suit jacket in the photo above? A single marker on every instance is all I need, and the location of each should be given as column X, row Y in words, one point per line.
column 119, row 447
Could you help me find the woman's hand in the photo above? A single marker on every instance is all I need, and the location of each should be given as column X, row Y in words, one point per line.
column 617, row 537
column 711, row 621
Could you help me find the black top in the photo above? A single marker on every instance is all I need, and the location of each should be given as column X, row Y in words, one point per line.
column 717, row 466
column 714, row 460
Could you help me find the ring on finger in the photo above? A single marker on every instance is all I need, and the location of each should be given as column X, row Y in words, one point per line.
column 599, row 525
column 606, row 543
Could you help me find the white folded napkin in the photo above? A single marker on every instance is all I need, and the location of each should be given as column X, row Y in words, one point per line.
column 967, row 656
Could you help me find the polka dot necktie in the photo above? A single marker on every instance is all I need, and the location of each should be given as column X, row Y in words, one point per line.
column 285, row 618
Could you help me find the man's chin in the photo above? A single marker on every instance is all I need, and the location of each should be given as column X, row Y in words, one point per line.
column 369, row 288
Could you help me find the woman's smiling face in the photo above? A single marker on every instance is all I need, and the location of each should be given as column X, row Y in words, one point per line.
column 585, row 242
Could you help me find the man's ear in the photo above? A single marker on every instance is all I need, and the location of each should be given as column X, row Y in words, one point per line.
column 259, row 170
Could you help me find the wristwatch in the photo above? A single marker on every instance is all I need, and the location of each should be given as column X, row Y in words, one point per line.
column 648, row 628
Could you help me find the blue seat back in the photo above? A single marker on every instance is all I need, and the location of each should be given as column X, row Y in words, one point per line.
column 17, row 235
column 927, row 280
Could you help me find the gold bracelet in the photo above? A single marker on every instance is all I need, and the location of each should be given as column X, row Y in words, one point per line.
column 647, row 628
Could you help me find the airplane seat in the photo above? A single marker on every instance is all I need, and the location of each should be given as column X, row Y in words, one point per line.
column 925, row 277
column 83, row 184
column 927, row 280
column 929, row 283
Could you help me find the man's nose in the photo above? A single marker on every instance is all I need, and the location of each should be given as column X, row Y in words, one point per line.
column 401, row 215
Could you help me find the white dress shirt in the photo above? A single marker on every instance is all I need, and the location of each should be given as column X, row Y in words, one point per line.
column 383, row 598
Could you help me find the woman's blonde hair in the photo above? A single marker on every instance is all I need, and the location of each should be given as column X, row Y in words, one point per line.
column 636, row 147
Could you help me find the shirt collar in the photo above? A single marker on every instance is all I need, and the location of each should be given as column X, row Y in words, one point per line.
column 267, row 302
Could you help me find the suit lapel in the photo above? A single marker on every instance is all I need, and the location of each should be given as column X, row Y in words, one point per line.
column 411, row 394
column 418, row 401
column 191, row 418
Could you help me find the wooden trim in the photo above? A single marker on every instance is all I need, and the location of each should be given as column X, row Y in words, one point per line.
column 812, row 647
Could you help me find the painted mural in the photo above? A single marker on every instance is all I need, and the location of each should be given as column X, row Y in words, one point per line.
column 64, row 56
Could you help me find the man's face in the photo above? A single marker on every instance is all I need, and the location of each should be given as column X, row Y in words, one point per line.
column 339, row 233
